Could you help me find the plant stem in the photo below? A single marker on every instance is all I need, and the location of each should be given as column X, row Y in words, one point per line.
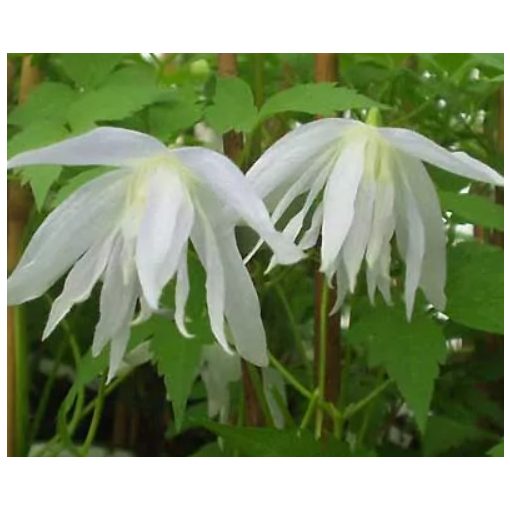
column 295, row 331
column 352, row 409
column 309, row 410
column 259, row 391
column 96, row 417
column 48, row 386
column 323, row 335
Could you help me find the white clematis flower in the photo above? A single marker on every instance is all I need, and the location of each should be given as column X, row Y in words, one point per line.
column 371, row 182
column 131, row 228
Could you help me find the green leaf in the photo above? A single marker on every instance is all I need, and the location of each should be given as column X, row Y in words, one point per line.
column 316, row 99
column 113, row 101
column 88, row 70
column 474, row 209
column 497, row 451
column 76, row 182
column 494, row 60
column 409, row 351
column 180, row 112
column 233, row 107
column 269, row 442
column 40, row 177
column 178, row 360
column 36, row 135
column 48, row 101
column 474, row 288
column 444, row 434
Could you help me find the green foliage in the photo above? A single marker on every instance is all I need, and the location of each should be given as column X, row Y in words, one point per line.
column 315, row 99
column 233, row 106
column 475, row 286
column 474, row 209
column 40, row 177
column 178, row 360
column 269, row 442
column 88, row 70
column 49, row 101
column 444, row 434
column 497, row 451
column 409, row 351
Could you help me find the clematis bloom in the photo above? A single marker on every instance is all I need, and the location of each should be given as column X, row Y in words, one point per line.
column 131, row 227
column 369, row 182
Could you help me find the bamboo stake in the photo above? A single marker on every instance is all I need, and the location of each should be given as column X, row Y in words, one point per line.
column 326, row 69
column 19, row 204
column 233, row 146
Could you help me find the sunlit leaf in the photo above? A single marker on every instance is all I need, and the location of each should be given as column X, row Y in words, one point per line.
column 233, row 106
column 49, row 101
column 316, row 99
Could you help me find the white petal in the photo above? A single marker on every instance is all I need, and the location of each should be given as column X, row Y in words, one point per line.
column 102, row 146
column 117, row 301
column 422, row 148
column 207, row 249
column 293, row 228
column 311, row 236
column 118, row 348
column 242, row 304
column 410, row 230
column 383, row 221
column 165, row 196
column 294, row 152
column 339, row 197
column 87, row 216
column 433, row 277
column 222, row 177
column 342, row 286
column 357, row 239
column 378, row 275
column 182, row 293
column 80, row 282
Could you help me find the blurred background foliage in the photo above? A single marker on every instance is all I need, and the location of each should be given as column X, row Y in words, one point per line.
column 430, row 387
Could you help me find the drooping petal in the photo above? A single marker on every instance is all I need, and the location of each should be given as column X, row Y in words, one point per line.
column 383, row 222
column 459, row 163
column 165, row 196
column 222, row 177
column 311, row 236
column 102, row 146
column 80, row 282
column 410, row 236
column 433, row 275
column 182, row 293
column 339, row 197
column 342, row 285
column 293, row 153
column 359, row 234
column 242, row 304
column 87, row 216
column 378, row 275
column 118, row 346
column 206, row 245
column 117, row 301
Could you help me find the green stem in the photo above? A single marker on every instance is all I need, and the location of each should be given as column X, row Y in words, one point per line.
column 295, row 331
column 309, row 410
column 21, row 371
column 352, row 409
column 323, row 332
column 290, row 378
column 96, row 417
column 48, row 386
